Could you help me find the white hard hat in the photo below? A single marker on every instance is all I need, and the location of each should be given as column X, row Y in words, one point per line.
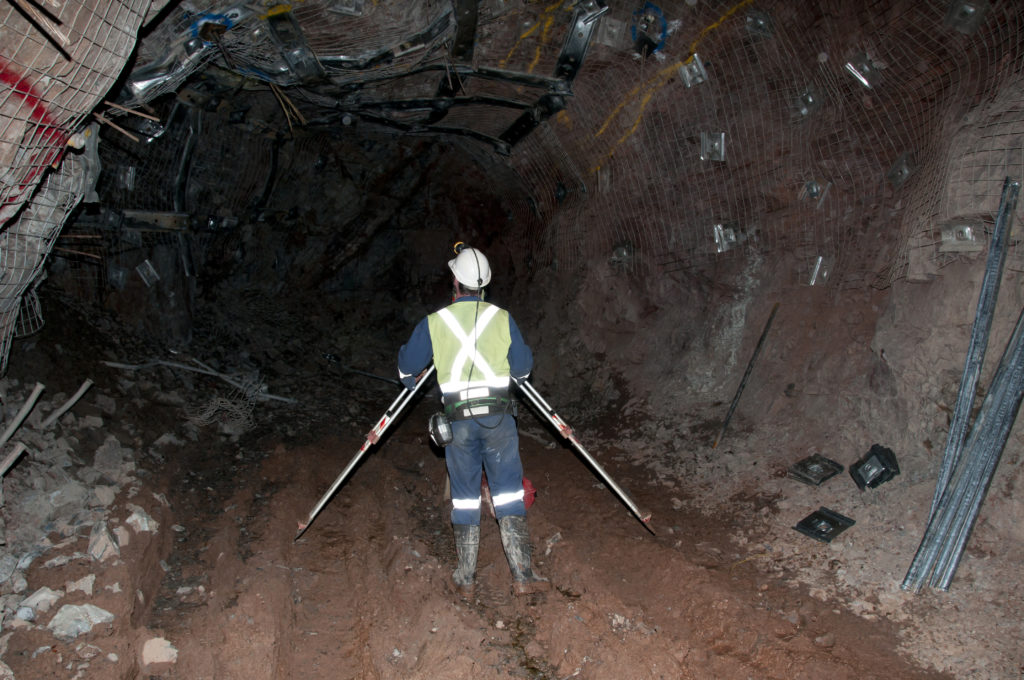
column 471, row 268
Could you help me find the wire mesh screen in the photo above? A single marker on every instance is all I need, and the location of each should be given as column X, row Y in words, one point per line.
column 845, row 133
column 867, row 140
column 54, row 70
column 25, row 243
column 522, row 37
column 53, row 74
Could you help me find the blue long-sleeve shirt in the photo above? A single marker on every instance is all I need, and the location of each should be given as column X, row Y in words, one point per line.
column 417, row 354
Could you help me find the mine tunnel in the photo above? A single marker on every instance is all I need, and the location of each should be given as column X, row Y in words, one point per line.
column 762, row 255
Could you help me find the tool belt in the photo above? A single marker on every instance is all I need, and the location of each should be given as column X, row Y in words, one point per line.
column 484, row 402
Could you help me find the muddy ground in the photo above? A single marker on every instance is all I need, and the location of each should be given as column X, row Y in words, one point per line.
column 364, row 592
column 721, row 586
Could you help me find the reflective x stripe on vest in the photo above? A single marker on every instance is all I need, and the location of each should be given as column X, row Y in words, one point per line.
column 480, row 354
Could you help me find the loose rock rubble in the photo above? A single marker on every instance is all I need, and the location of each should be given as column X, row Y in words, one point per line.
column 72, row 506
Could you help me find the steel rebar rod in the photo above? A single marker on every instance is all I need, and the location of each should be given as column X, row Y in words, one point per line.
column 22, row 413
column 746, row 375
column 67, row 405
column 946, row 528
column 978, row 342
column 948, row 519
column 1004, row 402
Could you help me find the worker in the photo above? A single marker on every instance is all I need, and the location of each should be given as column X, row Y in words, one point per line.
column 477, row 350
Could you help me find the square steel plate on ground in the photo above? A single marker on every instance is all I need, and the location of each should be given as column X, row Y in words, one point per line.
column 814, row 469
column 877, row 466
column 824, row 524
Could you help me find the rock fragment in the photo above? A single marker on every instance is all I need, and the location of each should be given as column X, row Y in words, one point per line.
column 102, row 545
column 123, row 536
column 140, row 520
column 8, row 563
column 72, row 620
column 84, row 584
column 157, row 651
column 104, row 494
column 42, row 599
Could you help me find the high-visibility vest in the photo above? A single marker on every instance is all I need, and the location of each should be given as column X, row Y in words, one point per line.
column 470, row 341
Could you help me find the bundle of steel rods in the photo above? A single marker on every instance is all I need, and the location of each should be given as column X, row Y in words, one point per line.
column 957, row 503
column 947, row 533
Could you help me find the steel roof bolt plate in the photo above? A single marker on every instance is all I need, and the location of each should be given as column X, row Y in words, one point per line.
column 712, row 146
column 693, row 72
column 814, row 469
column 966, row 16
column 808, row 101
column 759, row 24
column 963, row 236
column 901, row 170
column 725, row 238
column 824, row 524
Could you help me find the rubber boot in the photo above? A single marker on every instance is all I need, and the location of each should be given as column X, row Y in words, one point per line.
column 515, row 538
column 467, row 545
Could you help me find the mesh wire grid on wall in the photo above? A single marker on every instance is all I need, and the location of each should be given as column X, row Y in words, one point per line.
column 815, row 162
column 54, row 72
column 162, row 175
column 26, row 241
column 555, row 194
column 814, row 113
column 45, row 92
column 837, row 132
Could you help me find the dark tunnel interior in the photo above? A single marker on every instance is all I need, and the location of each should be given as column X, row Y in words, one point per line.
column 764, row 253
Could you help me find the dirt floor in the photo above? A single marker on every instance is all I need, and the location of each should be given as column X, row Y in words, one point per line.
column 721, row 587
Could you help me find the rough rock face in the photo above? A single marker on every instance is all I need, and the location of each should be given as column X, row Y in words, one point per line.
column 810, row 157
column 66, row 524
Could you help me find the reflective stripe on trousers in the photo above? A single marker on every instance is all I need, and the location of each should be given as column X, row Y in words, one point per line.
column 489, row 443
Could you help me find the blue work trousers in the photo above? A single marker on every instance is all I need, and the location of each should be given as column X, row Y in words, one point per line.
column 490, row 443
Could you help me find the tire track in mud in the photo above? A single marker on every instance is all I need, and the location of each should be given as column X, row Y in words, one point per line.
column 364, row 593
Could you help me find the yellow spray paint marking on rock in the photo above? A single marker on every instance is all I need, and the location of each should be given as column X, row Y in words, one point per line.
column 545, row 22
column 648, row 89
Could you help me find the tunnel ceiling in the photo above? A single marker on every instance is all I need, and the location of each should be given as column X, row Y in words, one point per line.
column 415, row 67
column 654, row 134
column 853, row 144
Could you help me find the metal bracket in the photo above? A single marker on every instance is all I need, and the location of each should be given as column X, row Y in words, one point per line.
column 814, row 469
column 692, row 71
column 287, row 35
column 712, row 146
column 581, row 29
column 876, row 467
column 465, row 30
column 546, row 106
column 962, row 236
